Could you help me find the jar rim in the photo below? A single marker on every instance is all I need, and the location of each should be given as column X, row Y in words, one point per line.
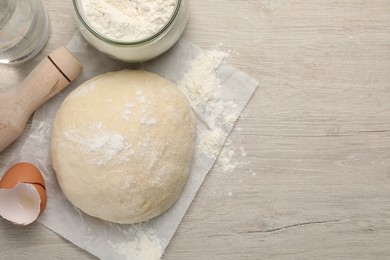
column 77, row 8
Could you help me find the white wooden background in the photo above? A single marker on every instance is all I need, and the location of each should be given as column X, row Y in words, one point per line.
column 312, row 149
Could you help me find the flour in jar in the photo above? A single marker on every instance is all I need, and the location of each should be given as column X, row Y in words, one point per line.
column 128, row 20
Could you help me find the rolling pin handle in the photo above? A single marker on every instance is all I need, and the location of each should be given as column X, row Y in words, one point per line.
column 49, row 77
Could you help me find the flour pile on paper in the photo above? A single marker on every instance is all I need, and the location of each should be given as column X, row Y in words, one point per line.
column 202, row 86
column 141, row 245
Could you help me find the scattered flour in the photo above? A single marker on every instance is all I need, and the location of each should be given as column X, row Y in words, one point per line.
column 243, row 152
column 225, row 160
column 128, row 20
column 203, row 88
column 231, row 157
column 201, row 84
column 210, row 142
column 143, row 245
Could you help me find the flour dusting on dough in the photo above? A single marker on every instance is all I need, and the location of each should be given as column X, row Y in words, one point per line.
column 105, row 145
column 127, row 111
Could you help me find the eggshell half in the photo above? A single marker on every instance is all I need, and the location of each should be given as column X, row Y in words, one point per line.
column 20, row 204
column 22, row 173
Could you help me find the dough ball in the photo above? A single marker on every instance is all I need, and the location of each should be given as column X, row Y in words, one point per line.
column 122, row 145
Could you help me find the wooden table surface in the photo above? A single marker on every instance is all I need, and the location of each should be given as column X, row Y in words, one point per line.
column 310, row 174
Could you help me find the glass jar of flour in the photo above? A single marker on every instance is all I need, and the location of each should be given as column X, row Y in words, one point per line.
column 131, row 30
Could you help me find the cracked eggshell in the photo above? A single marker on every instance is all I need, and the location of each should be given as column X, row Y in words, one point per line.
column 22, row 194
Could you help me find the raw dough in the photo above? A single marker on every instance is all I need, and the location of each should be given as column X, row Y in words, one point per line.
column 122, row 145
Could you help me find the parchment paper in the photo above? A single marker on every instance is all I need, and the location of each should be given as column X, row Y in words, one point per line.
column 146, row 240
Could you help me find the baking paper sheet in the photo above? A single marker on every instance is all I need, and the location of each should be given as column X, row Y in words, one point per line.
column 146, row 240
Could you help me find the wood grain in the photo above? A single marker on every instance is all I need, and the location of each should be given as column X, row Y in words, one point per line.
column 311, row 153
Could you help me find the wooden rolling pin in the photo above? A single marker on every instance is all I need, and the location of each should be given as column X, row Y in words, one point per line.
column 48, row 78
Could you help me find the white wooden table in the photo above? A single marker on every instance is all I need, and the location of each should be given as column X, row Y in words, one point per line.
column 312, row 149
